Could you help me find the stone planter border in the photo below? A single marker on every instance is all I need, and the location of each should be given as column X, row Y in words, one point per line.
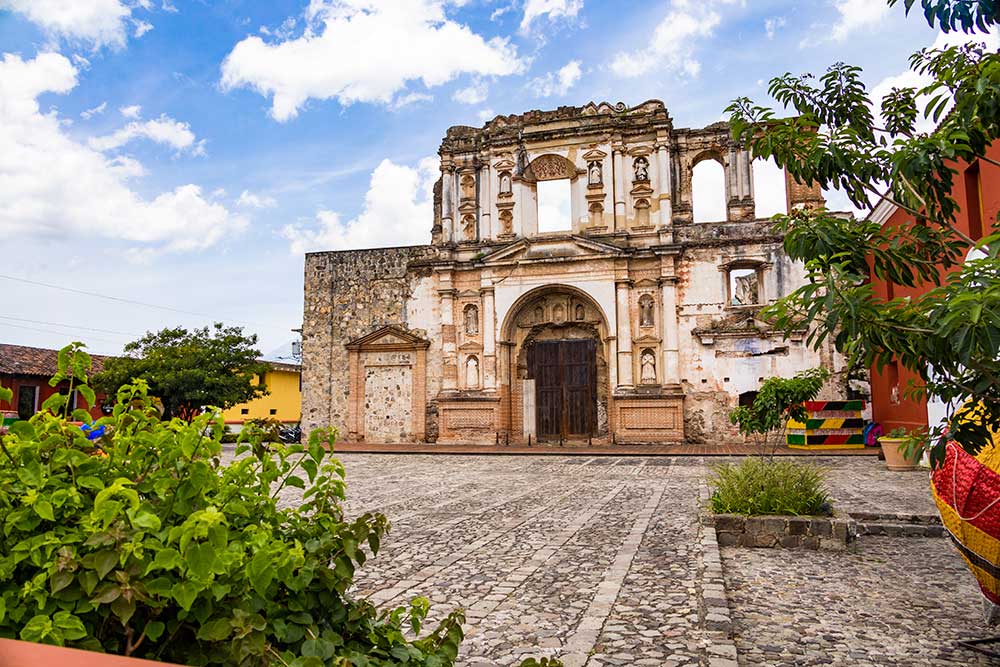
column 832, row 533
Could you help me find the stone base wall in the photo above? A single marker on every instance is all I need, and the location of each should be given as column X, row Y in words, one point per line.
column 785, row 532
column 474, row 419
column 642, row 419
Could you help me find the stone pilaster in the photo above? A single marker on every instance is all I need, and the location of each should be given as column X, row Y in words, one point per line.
column 621, row 222
column 665, row 186
column 449, row 351
column 671, row 355
column 623, row 316
column 489, row 338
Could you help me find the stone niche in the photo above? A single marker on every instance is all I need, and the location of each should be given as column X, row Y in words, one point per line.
column 387, row 387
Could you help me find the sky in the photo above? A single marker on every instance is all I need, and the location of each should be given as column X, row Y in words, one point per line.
column 169, row 162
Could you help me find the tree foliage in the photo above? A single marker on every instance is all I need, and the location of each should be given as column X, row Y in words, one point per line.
column 873, row 151
column 189, row 369
column 778, row 401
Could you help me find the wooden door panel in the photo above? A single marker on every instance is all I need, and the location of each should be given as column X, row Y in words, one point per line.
column 565, row 375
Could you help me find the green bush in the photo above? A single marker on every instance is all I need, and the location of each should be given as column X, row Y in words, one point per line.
column 760, row 486
column 144, row 543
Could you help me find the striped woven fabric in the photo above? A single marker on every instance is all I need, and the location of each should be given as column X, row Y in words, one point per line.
column 828, row 425
column 967, row 492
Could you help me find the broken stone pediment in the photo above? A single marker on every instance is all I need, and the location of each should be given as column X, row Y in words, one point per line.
column 744, row 324
column 540, row 248
column 388, row 337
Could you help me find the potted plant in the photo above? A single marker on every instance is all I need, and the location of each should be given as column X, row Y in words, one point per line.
column 898, row 451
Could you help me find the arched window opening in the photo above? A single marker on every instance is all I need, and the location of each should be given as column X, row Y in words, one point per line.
column 769, row 189
column 708, row 191
column 554, row 211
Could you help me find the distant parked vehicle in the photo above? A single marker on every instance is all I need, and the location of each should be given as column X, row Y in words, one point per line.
column 290, row 434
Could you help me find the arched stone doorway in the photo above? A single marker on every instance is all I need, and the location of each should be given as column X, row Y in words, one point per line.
column 555, row 380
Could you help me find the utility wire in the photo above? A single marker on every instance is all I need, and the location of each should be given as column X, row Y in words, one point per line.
column 122, row 300
column 69, row 326
column 57, row 333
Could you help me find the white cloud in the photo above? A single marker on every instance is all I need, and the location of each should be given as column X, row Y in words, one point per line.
column 163, row 130
column 369, row 49
column 94, row 111
column 558, row 82
column 141, row 28
column 857, row 14
column 485, row 115
column 474, row 94
column 911, row 79
column 398, row 211
column 552, row 9
column 407, row 99
column 131, row 111
column 772, row 25
column 252, row 200
column 100, row 22
column 674, row 41
column 51, row 184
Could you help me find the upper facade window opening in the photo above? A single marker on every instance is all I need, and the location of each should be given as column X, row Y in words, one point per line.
column 554, row 210
column 770, row 189
column 708, row 191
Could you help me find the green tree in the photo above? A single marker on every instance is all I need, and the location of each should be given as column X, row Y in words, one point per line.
column 189, row 369
column 950, row 336
column 778, row 401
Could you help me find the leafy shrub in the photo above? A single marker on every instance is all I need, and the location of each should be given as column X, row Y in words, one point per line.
column 760, row 486
column 779, row 400
column 269, row 427
column 144, row 543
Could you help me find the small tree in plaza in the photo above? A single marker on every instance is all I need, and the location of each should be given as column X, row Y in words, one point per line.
column 778, row 401
column 189, row 369
column 950, row 336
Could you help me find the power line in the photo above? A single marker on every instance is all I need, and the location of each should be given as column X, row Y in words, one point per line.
column 123, row 300
column 68, row 326
column 57, row 333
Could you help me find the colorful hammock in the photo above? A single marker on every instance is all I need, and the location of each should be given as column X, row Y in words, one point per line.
column 967, row 492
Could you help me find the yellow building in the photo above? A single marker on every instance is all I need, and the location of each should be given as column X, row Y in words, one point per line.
column 284, row 402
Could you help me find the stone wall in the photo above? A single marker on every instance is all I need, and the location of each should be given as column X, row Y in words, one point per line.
column 347, row 295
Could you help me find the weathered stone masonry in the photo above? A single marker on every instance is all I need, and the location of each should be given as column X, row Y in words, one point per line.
column 635, row 324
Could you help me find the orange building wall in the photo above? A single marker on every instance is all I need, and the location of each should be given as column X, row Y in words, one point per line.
column 890, row 406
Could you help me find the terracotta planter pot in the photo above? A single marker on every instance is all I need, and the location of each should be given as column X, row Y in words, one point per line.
column 14, row 652
column 894, row 459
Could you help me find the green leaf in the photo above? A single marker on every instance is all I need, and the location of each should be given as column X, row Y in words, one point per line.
column 90, row 482
column 43, row 508
column 37, row 629
column 123, row 607
column 6, row 394
column 146, row 520
column 88, row 395
column 71, row 626
column 101, row 561
column 106, row 593
column 60, row 580
column 154, row 630
column 215, row 630
column 200, row 559
column 185, row 593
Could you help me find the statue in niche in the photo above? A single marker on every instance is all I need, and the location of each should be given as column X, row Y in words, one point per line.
column 469, row 227
column 507, row 222
column 594, row 173
column 559, row 314
column 468, row 184
column 646, row 311
column 641, row 168
column 580, row 312
column 471, row 320
column 539, row 315
column 472, row 373
column 505, row 186
column 648, row 364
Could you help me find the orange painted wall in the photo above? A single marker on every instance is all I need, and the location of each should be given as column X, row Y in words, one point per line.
column 890, row 406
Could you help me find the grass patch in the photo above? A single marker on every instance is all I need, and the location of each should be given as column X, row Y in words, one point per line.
column 759, row 486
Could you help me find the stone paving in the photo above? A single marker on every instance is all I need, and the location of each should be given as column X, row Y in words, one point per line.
column 603, row 561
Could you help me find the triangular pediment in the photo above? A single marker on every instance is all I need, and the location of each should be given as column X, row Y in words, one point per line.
column 541, row 248
column 388, row 337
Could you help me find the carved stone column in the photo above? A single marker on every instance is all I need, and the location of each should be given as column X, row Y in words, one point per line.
column 624, row 318
column 671, row 355
column 448, row 336
column 665, row 185
column 489, row 338
column 619, row 168
column 448, row 204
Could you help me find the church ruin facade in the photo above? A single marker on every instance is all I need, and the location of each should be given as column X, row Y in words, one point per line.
column 631, row 324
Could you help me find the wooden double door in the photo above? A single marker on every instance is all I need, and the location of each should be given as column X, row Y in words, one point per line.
column 565, row 373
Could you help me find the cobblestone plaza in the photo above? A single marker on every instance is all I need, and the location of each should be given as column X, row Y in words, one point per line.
column 603, row 561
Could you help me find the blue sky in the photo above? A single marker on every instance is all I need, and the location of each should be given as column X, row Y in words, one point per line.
column 184, row 154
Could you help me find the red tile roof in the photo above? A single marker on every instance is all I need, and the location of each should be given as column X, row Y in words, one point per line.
column 22, row 360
